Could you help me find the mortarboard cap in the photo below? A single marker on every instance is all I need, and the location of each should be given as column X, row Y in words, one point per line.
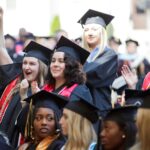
column 47, row 100
column 84, row 108
column 133, row 97
column 132, row 41
column 146, row 99
column 38, row 51
column 122, row 114
column 8, row 36
column 72, row 49
column 8, row 73
column 115, row 39
column 92, row 16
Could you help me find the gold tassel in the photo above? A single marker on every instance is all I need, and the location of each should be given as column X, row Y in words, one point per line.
column 28, row 133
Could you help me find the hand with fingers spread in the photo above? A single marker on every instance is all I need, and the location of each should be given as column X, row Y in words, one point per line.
column 130, row 76
column 34, row 87
column 24, row 85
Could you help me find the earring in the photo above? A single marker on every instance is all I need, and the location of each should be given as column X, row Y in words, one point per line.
column 123, row 136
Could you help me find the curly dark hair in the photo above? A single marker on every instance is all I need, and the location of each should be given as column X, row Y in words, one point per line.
column 73, row 72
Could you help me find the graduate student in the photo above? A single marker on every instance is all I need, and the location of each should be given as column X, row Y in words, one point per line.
column 77, row 124
column 101, row 65
column 118, row 130
column 42, row 128
column 16, row 80
column 143, row 122
column 66, row 76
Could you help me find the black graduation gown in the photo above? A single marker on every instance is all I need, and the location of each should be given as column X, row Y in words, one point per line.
column 8, row 124
column 81, row 91
column 8, row 73
column 55, row 145
column 100, row 75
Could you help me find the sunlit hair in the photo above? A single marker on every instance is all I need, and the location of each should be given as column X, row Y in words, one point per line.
column 43, row 71
column 73, row 72
column 143, row 123
column 103, row 41
column 80, row 132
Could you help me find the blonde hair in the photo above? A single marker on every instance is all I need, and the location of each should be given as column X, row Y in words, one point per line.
column 80, row 132
column 143, row 123
column 101, row 46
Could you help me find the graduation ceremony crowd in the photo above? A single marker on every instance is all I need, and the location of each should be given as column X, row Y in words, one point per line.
column 62, row 94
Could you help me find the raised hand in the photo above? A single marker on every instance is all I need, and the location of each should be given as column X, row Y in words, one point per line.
column 34, row 87
column 130, row 76
column 24, row 85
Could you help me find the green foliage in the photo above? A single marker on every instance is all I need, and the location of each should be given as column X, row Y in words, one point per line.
column 55, row 25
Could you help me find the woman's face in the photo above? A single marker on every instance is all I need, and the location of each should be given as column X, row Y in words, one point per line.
column 30, row 68
column 92, row 34
column 112, row 137
column 44, row 123
column 63, row 122
column 57, row 65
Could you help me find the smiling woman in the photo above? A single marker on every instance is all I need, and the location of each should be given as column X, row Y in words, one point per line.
column 11, row 76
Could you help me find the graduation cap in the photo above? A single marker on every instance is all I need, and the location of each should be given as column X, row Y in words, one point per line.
column 8, row 36
column 47, row 100
column 115, row 39
column 84, row 108
column 72, row 49
column 92, row 16
column 146, row 99
column 122, row 114
column 132, row 41
column 8, row 73
column 38, row 51
column 133, row 97
column 44, row 99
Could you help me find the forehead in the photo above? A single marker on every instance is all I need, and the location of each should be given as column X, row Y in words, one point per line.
column 43, row 110
column 92, row 25
column 58, row 54
column 33, row 59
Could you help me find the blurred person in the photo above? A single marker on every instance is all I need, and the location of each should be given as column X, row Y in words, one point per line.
column 114, row 43
column 76, row 124
column 10, row 42
column 21, row 39
column 60, row 33
column 118, row 130
column 133, row 59
column 143, row 122
column 101, row 65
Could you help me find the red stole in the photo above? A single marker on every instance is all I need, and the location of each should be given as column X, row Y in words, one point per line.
column 3, row 102
column 65, row 91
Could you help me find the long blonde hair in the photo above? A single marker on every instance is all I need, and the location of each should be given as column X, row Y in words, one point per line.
column 143, row 123
column 80, row 132
column 103, row 41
